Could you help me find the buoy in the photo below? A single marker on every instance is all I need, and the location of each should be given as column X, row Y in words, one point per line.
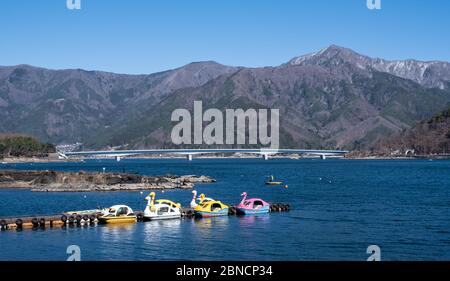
column 85, row 219
column 35, row 222
column 42, row 223
column 19, row 224
column 286, row 186
column 3, row 225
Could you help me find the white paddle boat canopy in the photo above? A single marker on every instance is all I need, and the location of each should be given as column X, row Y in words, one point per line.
column 161, row 209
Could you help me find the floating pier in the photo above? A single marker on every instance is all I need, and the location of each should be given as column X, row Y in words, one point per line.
column 91, row 219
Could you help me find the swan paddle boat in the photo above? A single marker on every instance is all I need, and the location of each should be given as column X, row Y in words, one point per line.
column 271, row 181
column 252, row 206
column 161, row 209
column 201, row 199
column 117, row 214
column 194, row 199
column 209, row 207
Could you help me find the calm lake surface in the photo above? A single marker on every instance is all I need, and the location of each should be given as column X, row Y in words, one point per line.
column 338, row 208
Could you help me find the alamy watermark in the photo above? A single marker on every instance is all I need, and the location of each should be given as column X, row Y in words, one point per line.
column 74, row 253
column 373, row 4
column 375, row 253
column 73, row 4
column 190, row 129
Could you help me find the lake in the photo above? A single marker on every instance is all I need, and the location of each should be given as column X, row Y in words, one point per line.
column 338, row 208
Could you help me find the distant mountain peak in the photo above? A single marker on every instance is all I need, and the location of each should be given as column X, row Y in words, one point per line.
column 331, row 55
column 432, row 74
column 206, row 62
column 336, row 49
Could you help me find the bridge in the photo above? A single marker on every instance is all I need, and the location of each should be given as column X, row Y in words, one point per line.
column 189, row 153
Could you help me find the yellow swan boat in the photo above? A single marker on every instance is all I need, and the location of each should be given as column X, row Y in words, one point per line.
column 211, row 208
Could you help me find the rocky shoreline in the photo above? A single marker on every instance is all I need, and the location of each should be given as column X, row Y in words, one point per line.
column 55, row 181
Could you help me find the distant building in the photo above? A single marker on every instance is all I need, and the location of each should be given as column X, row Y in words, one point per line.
column 69, row 147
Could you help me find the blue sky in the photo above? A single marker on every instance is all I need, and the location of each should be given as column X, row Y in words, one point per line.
column 145, row 36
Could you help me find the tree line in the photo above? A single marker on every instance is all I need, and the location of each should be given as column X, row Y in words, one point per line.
column 23, row 146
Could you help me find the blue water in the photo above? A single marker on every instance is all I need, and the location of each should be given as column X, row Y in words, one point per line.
column 339, row 208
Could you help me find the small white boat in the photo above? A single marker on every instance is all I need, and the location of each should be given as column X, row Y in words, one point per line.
column 161, row 209
column 117, row 214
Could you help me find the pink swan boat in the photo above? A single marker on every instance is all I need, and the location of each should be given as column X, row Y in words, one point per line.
column 252, row 206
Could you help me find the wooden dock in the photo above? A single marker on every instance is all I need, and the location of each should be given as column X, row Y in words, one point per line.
column 91, row 219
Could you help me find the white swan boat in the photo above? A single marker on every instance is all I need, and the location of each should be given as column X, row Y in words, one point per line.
column 161, row 209
column 201, row 199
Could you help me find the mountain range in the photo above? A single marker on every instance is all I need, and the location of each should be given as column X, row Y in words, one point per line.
column 334, row 98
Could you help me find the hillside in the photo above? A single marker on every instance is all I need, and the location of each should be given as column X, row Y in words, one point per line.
column 427, row 137
column 335, row 98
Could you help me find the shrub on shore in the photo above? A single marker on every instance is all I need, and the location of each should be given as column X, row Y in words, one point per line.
column 23, row 146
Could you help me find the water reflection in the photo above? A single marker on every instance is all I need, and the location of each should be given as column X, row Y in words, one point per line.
column 253, row 220
column 158, row 231
column 209, row 228
column 207, row 224
column 116, row 233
